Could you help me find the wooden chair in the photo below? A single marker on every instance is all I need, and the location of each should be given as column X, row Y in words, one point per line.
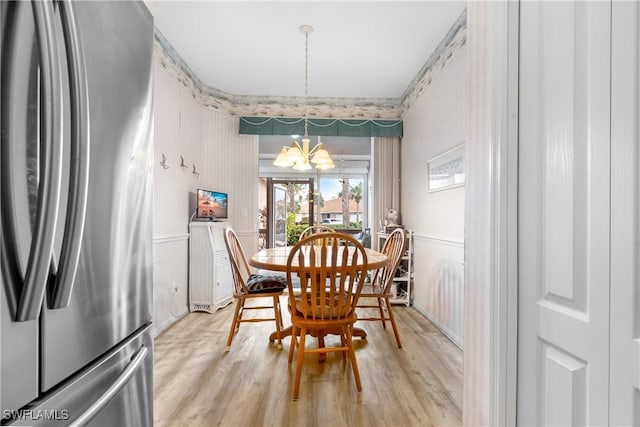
column 331, row 268
column 250, row 286
column 313, row 229
column 380, row 286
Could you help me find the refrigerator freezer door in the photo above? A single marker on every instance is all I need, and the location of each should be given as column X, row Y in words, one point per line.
column 19, row 181
column 19, row 357
column 112, row 293
column 115, row 390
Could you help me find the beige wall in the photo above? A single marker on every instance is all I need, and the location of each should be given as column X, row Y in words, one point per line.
column 436, row 122
column 225, row 162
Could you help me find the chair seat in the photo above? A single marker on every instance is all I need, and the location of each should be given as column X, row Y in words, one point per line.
column 261, row 283
column 329, row 309
column 373, row 289
column 328, row 326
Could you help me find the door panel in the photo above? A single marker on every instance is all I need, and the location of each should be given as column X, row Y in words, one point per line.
column 563, row 375
column 564, row 213
column 112, row 293
column 127, row 369
column 19, row 179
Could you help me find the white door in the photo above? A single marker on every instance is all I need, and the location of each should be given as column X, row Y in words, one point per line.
column 564, row 221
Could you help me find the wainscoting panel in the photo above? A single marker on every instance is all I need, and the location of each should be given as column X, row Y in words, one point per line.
column 439, row 283
column 170, row 266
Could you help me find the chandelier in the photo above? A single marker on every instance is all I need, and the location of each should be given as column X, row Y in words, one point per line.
column 300, row 156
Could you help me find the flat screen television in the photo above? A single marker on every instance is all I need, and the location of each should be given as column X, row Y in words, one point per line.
column 211, row 205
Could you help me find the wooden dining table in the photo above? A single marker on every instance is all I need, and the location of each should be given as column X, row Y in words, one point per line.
column 275, row 259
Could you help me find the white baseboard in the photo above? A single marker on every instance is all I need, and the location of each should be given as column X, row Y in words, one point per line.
column 442, row 328
column 158, row 328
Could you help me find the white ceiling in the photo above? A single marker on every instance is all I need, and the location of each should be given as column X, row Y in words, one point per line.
column 358, row 49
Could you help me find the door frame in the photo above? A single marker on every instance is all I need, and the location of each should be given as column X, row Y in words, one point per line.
column 625, row 201
column 273, row 181
column 491, row 237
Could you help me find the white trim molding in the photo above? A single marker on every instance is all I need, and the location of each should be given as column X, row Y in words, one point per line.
column 440, row 326
column 158, row 328
column 490, row 308
column 438, row 240
column 171, row 239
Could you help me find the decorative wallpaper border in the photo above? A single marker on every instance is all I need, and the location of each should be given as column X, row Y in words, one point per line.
column 283, row 106
column 450, row 44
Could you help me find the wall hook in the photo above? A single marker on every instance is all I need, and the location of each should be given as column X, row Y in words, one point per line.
column 196, row 174
column 182, row 165
column 163, row 162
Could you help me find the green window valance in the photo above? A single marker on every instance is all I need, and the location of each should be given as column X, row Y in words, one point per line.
column 321, row 127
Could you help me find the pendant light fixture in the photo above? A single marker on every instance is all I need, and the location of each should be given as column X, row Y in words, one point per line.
column 300, row 157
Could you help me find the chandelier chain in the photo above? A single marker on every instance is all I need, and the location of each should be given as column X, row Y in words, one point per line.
column 301, row 156
column 306, row 71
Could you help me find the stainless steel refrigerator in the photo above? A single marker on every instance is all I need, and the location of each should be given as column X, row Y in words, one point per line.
column 76, row 213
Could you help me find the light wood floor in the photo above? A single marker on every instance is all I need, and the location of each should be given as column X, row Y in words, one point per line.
column 197, row 384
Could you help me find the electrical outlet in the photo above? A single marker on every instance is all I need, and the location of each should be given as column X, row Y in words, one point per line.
column 175, row 288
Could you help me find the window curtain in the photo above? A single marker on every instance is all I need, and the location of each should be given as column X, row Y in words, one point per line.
column 386, row 179
column 322, row 127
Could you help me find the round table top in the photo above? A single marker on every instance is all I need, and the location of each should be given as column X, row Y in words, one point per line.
column 276, row 258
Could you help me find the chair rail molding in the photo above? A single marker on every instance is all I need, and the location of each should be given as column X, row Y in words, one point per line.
column 438, row 240
column 170, row 238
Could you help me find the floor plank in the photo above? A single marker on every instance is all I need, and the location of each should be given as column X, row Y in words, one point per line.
column 196, row 383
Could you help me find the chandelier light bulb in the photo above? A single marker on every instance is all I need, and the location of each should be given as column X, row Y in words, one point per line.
column 283, row 160
column 302, row 165
column 295, row 155
column 321, row 155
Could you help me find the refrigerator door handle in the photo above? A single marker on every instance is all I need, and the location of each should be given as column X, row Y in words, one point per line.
column 79, row 172
column 117, row 385
column 37, row 271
